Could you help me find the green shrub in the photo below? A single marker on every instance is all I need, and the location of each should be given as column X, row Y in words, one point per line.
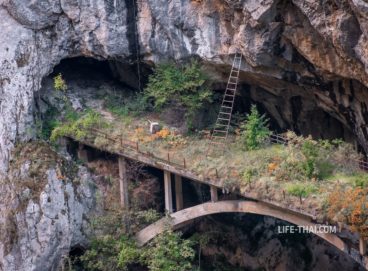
column 70, row 114
column 300, row 189
column 129, row 253
column 325, row 169
column 361, row 180
column 103, row 254
column 130, row 106
column 59, row 83
column 108, row 253
column 169, row 252
column 248, row 175
column 254, row 131
column 309, row 149
column 314, row 159
column 184, row 86
column 147, row 216
column 76, row 127
column 45, row 126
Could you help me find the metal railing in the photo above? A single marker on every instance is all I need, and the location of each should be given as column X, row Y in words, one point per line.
column 134, row 146
column 278, row 139
column 170, row 159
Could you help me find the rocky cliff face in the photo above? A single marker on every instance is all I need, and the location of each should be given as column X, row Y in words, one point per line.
column 314, row 50
column 45, row 209
column 302, row 56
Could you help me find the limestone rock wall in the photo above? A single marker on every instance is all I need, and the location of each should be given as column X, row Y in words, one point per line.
column 316, row 47
column 45, row 209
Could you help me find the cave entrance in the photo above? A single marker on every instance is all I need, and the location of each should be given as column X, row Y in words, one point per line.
column 298, row 112
column 74, row 255
column 90, row 82
column 91, row 71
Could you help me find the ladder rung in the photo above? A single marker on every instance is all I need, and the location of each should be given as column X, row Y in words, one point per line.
column 222, row 124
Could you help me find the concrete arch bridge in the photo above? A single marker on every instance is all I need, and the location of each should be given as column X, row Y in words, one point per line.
column 173, row 190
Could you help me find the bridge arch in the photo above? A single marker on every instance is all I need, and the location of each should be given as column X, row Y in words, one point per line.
column 179, row 218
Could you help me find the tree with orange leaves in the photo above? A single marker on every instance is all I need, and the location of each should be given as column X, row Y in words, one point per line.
column 351, row 207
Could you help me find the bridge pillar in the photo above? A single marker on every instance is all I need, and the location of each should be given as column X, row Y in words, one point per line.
column 362, row 246
column 168, row 192
column 82, row 153
column 178, row 192
column 123, row 180
column 214, row 194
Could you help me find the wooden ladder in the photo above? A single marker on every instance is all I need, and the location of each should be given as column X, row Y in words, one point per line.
column 221, row 129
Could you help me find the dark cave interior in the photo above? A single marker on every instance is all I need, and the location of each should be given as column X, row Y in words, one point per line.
column 292, row 112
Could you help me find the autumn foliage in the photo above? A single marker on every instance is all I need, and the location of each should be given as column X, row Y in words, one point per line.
column 350, row 206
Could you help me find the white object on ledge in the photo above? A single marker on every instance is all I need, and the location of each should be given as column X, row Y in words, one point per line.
column 154, row 127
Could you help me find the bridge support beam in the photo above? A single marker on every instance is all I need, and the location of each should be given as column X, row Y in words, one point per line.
column 168, row 192
column 123, row 180
column 362, row 246
column 214, row 194
column 178, row 192
column 82, row 153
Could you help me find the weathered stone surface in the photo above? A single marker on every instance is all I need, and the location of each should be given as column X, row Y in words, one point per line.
column 43, row 216
column 303, row 54
column 305, row 45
